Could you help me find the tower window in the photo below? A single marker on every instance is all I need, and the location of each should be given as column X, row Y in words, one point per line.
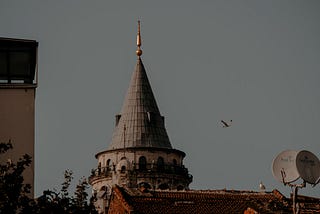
column 108, row 164
column 123, row 169
column 163, row 186
column 160, row 163
column 118, row 116
column 145, row 185
column 174, row 162
column 179, row 187
column 142, row 163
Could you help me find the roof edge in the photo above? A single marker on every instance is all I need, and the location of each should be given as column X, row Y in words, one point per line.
column 142, row 148
column 18, row 40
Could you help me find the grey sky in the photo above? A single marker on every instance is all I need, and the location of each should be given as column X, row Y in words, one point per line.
column 255, row 62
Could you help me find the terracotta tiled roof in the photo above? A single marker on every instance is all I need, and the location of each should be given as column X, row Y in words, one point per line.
column 308, row 205
column 195, row 201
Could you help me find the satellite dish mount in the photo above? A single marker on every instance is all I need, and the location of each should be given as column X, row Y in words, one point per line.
column 294, row 190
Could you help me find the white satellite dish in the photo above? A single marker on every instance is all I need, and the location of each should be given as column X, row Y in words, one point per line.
column 308, row 166
column 284, row 167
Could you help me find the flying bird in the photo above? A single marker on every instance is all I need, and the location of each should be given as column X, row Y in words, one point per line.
column 226, row 124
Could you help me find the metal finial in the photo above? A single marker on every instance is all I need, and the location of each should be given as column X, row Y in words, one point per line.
column 139, row 51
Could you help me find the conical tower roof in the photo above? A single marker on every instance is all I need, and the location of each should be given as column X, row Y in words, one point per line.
column 140, row 123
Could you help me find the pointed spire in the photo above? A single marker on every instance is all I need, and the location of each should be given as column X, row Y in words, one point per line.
column 140, row 115
column 139, row 51
column 144, row 125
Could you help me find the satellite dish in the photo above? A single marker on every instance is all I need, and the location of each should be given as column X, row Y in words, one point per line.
column 284, row 167
column 308, row 166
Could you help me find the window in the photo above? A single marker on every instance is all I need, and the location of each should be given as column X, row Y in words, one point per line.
column 160, row 163
column 18, row 60
column 99, row 168
column 163, row 186
column 123, row 169
column 174, row 162
column 180, row 187
column 108, row 164
column 142, row 163
column 145, row 185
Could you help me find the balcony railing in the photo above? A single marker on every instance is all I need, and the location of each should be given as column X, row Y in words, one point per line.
column 142, row 168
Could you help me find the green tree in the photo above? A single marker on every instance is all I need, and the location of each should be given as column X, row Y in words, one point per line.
column 62, row 202
column 14, row 193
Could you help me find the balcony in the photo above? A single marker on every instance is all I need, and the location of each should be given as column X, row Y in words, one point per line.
column 104, row 172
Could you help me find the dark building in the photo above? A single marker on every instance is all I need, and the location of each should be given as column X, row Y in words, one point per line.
column 18, row 83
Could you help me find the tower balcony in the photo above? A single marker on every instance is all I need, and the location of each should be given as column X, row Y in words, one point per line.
column 147, row 170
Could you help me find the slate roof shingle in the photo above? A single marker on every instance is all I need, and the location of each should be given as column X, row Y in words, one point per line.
column 140, row 123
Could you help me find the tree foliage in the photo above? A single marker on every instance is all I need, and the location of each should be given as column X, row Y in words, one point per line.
column 14, row 194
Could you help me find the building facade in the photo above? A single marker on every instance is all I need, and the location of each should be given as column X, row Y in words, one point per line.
column 18, row 68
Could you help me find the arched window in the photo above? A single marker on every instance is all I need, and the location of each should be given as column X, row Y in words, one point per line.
column 145, row 185
column 108, row 165
column 174, row 162
column 163, row 186
column 160, row 163
column 179, row 187
column 99, row 168
column 123, row 169
column 142, row 163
